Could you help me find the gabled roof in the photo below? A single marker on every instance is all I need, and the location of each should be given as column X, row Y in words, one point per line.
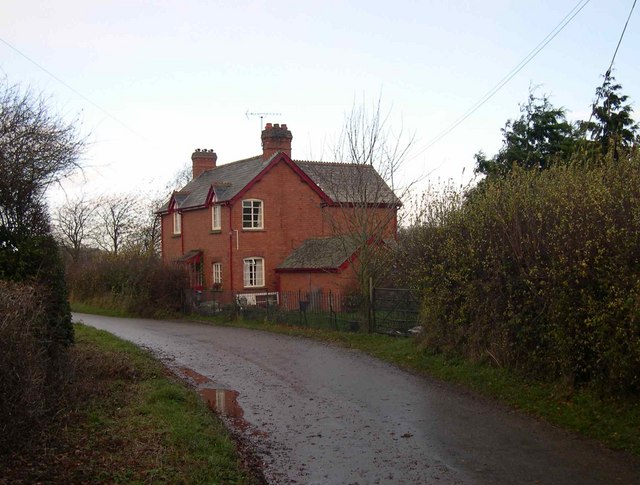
column 227, row 180
column 325, row 254
column 349, row 182
column 194, row 255
column 334, row 182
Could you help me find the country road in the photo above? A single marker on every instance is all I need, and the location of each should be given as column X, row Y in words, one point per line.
column 319, row 414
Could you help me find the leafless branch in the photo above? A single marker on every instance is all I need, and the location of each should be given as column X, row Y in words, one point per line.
column 37, row 149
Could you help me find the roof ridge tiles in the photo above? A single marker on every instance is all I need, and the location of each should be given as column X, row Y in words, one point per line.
column 334, row 163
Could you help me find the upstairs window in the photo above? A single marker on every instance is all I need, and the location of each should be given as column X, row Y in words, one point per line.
column 217, row 274
column 252, row 214
column 177, row 223
column 253, row 272
column 216, row 214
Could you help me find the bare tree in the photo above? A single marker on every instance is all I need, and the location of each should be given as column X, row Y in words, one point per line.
column 37, row 149
column 112, row 223
column 365, row 193
column 73, row 224
column 367, row 139
column 180, row 178
column 117, row 218
column 147, row 237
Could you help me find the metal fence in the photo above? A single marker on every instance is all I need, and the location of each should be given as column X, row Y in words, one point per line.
column 395, row 310
column 321, row 309
column 392, row 311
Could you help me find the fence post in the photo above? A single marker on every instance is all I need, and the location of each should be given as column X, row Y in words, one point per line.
column 371, row 316
column 333, row 322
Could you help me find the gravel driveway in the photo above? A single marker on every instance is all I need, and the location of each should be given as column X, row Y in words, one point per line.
column 315, row 413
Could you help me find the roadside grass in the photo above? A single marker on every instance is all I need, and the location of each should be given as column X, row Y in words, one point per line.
column 127, row 420
column 82, row 307
column 110, row 311
column 614, row 422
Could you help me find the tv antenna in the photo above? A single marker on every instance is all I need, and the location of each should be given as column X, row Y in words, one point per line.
column 261, row 115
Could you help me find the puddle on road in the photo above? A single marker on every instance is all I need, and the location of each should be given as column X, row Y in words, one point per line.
column 223, row 401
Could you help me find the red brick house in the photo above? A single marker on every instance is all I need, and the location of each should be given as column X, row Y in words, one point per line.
column 269, row 223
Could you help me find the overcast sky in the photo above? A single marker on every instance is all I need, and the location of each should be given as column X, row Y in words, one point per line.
column 153, row 80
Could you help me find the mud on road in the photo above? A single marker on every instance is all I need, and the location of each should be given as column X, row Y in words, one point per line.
column 314, row 413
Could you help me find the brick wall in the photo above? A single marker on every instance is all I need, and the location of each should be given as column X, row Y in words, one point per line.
column 292, row 213
column 340, row 283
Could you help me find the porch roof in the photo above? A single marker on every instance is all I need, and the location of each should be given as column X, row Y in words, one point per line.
column 191, row 256
column 326, row 254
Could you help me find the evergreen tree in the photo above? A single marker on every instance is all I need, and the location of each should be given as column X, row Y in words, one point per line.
column 541, row 137
column 611, row 125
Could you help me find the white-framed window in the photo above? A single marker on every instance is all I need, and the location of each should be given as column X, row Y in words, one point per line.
column 177, row 223
column 216, row 214
column 253, row 272
column 252, row 214
column 217, row 273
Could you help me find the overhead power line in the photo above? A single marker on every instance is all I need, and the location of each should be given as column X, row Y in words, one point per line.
column 621, row 36
column 607, row 74
column 69, row 87
column 528, row 58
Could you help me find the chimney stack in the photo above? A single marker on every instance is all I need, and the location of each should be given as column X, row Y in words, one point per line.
column 276, row 138
column 203, row 160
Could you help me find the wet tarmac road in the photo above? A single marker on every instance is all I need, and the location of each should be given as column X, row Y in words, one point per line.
column 315, row 413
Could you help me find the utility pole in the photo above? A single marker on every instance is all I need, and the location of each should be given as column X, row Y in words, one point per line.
column 261, row 115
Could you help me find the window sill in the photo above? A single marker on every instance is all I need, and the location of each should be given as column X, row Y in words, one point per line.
column 255, row 287
column 176, row 235
column 249, row 229
column 215, row 231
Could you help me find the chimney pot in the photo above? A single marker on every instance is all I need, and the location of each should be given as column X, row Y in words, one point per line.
column 202, row 160
column 276, row 138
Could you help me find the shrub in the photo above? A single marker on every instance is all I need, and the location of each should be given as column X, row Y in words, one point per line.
column 28, row 381
column 35, row 260
column 134, row 283
column 538, row 271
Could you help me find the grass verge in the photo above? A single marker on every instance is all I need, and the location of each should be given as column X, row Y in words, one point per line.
column 614, row 422
column 81, row 307
column 126, row 420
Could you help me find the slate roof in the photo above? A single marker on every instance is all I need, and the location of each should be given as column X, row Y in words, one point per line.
column 227, row 180
column 349, row 182
column 320, row 254
column 337, row 180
